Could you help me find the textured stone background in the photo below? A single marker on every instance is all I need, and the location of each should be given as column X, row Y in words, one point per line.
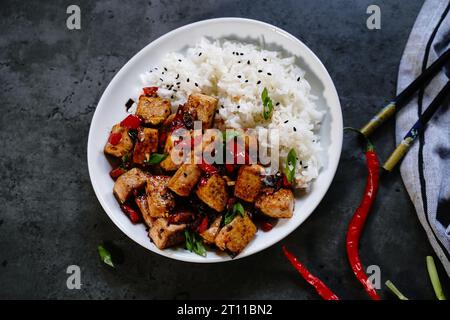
column 51, row 80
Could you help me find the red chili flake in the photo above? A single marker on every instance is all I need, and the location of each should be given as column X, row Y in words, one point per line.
column 203, row 225
column 114, row 138
column 203, row 181
column 131, row 213
column 117, row 172
column 149, row 91
column 131, row 122
column 266, row 226
column 208, row 168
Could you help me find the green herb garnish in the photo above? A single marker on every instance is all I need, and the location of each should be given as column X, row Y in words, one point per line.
column 194, row 243
column 267, row 104
column 291, row 161
column 432, row 272
column 395, row 291
column 105, row 255
column 231, row 214
column 156, row 158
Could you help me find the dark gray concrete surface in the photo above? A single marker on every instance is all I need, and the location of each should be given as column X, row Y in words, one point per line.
column 51, row 80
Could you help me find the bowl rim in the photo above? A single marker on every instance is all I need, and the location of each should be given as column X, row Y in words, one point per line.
column 332, row 166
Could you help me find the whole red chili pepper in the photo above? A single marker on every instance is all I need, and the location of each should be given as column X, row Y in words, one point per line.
column 320, row 287
column 359, row 218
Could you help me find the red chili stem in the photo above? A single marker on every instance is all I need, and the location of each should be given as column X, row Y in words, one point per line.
column 320, row 287
column 358, row 220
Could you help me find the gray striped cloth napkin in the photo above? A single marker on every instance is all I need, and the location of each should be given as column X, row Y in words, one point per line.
column 426, row 168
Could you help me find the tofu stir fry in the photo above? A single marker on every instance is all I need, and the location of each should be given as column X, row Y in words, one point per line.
column 195, row 204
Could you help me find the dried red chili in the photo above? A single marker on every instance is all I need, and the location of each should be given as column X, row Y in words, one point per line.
column 131, row 213
column 320, row 287
column 117, row 172
column 359, row 218
column 203, row 225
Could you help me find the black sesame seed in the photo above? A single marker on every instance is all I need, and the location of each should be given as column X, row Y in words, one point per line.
column 241, row 54
column 295, row 129
column 199, row 54
column 185, row 174
column 162, row 72
column 175, row 90
column 196, row 84
column 233, row 52
column 187, row 80
column 248, row 62
column 277, row 104
column 239, row 77
column 269, row 74
column 156, row 68
column 286, row 121
column 222, row 106
column 179, row 60
column 177, row 83
column 298, row 79
column 178, row 75
column 161, row 79
column 305, row 167
column 265, row 59
column 259, row 81
column 171, row 97
column 238, row 107
column 259, row 71
column 165, row 69
column 246, row 81
column 239, row 61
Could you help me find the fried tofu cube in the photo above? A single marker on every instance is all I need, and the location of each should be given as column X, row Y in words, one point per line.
column 142, row 204
column 161, row 200
column 214, row 192
column 248, row 182
column 209, row 235
column 164, row 235
column 146, row 144
column 124, row 146
column 236, row 235
column 127, row 182
column 153, row 110
column 184, row 180
column 276, row 204
column 204, row 107
column 168, row 164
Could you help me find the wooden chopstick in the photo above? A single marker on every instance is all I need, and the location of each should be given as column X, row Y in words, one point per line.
column 403, row 97
column 416, row 129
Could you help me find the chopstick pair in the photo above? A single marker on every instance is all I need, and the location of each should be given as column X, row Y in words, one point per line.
column 400, row 100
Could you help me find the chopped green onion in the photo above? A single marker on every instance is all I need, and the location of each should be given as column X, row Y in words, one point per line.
column 156, row 158
column 105, row 255
column 434, row 277
column 395, row 291
column 267, row 104
column 231, row 214
column 289, row 169
column 194, row 243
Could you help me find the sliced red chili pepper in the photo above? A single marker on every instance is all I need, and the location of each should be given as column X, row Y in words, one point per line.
column 132, row 214
column 320, row 287
column 131, row 122
column 114, row 138
column 208, row 168
column 359, row 218
column 266, row 226
column 181, row 216
column 203, row 225
column 149, row 91
column 117, row 172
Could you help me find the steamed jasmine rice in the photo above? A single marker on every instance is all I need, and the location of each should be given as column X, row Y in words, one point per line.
column 236, row 74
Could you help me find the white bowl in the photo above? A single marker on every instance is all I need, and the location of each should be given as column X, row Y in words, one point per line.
column 127, row 83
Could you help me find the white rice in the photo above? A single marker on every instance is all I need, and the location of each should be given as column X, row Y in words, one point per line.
column 214, row 68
